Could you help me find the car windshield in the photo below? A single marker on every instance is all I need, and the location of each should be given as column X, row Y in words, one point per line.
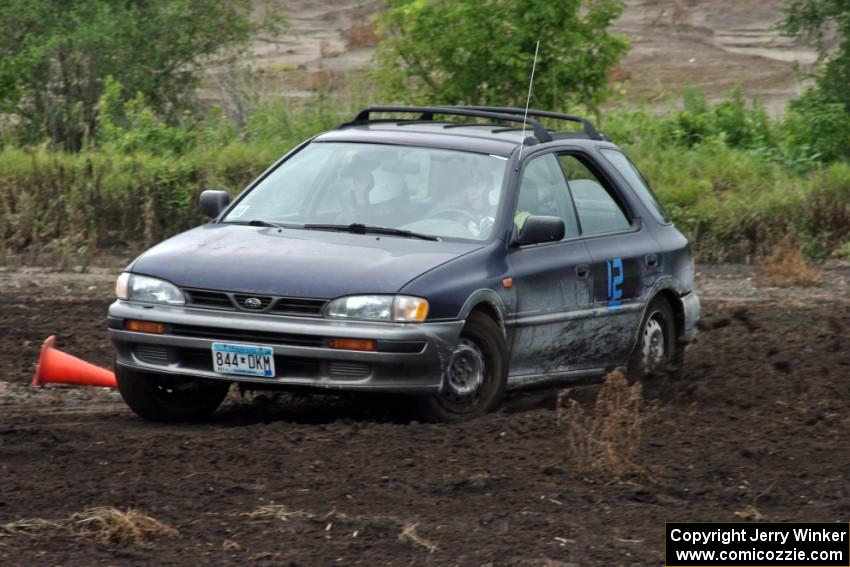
column 427, row 191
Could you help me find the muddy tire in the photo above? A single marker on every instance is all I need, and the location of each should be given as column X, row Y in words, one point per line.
column 656, row 351
column 475, row 381
column 157, row 397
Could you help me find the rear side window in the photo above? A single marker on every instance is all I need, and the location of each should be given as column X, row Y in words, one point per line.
column 637, row 182
column 597, row 209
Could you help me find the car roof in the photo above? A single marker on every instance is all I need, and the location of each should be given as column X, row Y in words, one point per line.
column 492, row 138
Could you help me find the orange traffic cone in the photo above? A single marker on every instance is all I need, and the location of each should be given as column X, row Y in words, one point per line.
column 58, row 367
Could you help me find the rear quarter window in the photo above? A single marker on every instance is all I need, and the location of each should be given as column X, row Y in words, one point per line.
column 637, row 182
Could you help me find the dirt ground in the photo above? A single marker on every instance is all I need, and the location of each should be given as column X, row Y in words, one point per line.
column 755, row 427
column 716, row 45
column 759, row 420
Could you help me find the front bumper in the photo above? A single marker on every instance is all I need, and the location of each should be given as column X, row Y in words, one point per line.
column 410, row 357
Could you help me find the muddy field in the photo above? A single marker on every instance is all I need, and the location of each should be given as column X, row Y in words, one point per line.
column 757, row 427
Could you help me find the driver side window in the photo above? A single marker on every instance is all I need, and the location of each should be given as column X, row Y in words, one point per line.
column 543, row 191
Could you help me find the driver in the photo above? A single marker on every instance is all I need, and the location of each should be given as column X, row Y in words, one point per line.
column 382, row 203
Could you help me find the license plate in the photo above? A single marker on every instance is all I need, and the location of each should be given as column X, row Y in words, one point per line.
column 246, row 360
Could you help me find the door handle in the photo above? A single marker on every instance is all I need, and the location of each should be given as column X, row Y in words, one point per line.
column 651, row 260
column 582, row 271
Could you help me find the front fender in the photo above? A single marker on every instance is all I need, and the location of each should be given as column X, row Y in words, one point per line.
column 491, row 301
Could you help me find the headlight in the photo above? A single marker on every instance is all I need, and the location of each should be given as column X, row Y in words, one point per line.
column 142, row 288
column 402, row 308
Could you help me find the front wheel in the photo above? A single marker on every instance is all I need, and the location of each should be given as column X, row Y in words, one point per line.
column 474, row 381
column 158, row 397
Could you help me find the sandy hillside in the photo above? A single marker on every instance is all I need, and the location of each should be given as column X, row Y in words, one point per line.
column 713, row 44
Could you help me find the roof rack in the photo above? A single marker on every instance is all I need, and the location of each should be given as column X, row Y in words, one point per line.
column 427, row 113
column 586, row 124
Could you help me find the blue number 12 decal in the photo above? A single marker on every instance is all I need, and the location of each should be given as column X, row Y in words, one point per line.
column 615, row 281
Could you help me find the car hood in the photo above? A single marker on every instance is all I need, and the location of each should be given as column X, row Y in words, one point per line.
column 292, row 262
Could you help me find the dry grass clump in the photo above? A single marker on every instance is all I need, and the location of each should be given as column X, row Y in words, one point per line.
column 111, row 525
column 276, row 512
column 787, row 267
column 408, row 534
column 32, row 527
column 103, row 525
column 361, row 34
column 604, row 441
column 750, row 513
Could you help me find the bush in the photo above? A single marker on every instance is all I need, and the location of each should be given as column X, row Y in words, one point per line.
column 788, row 268
column 605, row 440
column 132, row 126
column 816, row 129
column 464, row 52
column 732, row 121
column 56, row 56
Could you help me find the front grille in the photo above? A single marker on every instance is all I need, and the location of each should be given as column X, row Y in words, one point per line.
column 344, row 369
column 208, row 299
column 297, row 306
column 198, row 359
column 153, row 354
column 251, row 336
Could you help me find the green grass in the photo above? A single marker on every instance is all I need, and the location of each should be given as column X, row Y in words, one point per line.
column 734, row 181
column 127, row 192
column 736, row 201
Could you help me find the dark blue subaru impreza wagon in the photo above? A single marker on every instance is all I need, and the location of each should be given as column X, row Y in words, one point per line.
column 446, row 259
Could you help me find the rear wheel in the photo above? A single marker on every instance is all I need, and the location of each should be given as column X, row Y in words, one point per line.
column 474, row 381
column 656, row 349
column 159, row 397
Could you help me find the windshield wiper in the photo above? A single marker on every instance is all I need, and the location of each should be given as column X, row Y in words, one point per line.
column 358, row 228
column 257, row 222
column 261, row 222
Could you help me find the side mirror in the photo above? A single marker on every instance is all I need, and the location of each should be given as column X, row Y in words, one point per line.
column 538, row 229
column 213, row 202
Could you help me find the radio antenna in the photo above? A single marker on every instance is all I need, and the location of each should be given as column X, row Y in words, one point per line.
column 528, row 99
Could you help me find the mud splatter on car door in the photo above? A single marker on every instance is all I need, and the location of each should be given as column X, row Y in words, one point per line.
column 554, row 292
